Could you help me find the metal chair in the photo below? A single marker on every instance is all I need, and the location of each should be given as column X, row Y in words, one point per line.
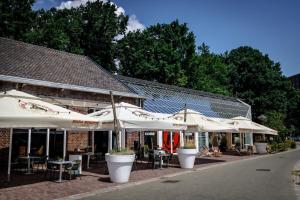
column 51, row 170
column 73, row 168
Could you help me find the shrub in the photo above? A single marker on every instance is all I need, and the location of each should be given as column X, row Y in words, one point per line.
column 274, row 147
column 281, row 146
column 122, row 151
column 293, row 145
column 190, row 144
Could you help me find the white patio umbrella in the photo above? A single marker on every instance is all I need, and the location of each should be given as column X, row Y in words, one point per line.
column 133, row 118
column 22, row 110
column 197, row 122
column 246, row 125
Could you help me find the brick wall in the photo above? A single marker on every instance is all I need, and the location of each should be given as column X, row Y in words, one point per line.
column 4, row 145
column 134, row 136
column 90, row 99
column 4, row 138
column 77, row 139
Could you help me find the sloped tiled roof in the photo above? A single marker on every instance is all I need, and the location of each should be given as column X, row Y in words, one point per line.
column 19, row 59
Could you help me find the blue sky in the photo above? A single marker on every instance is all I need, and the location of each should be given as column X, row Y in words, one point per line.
column 272, row 26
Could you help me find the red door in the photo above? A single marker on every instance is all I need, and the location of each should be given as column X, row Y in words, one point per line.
column 167, row 142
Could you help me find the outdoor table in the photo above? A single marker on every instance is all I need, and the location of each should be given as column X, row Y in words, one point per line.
column 60, row 163
column 161, row 154
column 88, row 154
column 29, row 159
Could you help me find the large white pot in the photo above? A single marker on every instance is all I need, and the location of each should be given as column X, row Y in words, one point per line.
column 261, row 148
column 187, row 157
column 119, row 167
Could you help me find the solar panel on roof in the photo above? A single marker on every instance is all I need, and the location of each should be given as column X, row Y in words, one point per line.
column 166, row 100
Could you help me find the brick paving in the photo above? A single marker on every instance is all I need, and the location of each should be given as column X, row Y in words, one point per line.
column 37, row 187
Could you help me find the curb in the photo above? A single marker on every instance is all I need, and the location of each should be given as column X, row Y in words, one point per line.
column 127, row 185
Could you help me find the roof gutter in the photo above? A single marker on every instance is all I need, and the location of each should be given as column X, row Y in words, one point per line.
column 65, row 86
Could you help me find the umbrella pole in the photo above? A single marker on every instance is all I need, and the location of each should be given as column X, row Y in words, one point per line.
column 196, row 136
column 123, row 136
column 110, row 146
column 65, row 144
column 47, row 143
column 93, row 142
column 181, row 139
column 171, row 140
column 116, row 124
column 9, row 154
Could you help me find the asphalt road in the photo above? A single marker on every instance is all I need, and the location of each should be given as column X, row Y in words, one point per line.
column 263, row 178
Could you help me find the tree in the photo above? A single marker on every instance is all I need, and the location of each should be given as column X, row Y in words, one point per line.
column 293, row 114
column 212, row 74
column 258, row 80
column 162, row 53
column 15, row 17
column 276, row 121
column 89, row 30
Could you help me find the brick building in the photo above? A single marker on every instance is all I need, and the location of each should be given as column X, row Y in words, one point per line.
column 79, row 84
column 65, row 79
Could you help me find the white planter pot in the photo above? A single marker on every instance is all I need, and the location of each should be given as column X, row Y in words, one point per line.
column 187, row 157
column 261, row 148
column 119, row 167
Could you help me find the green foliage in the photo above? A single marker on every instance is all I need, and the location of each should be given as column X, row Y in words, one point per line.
column 88, row 30
column 282, row 145
column 293, row 145
column 121, row 151
column 275, row 120
column 162, row 53
column 15, row 17
column 212, row 74
column 293, row 114
column 258, row 80
column 190, row 144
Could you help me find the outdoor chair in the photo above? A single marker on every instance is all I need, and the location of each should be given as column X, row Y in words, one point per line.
column 239, row 151
column 19, row 166
column 96, row 159
column 205, row 151
column 156, row 161
column 216, row 152
column 150, row 158
column 51, row 170
column 40, row 164
column 167, row 159
column 73, row 169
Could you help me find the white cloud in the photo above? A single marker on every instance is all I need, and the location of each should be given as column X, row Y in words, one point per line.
column 74, row 3
column 133, row 22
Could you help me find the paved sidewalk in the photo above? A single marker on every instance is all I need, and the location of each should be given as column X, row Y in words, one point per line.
column 94, row 180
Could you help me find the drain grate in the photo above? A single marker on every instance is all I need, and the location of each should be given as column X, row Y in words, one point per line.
column 171, row 181
column 263, row 170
